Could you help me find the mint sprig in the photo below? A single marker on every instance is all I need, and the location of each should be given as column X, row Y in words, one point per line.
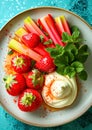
column 70, row 59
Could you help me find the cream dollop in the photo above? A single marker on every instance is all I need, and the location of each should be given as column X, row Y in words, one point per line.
column 59, row 91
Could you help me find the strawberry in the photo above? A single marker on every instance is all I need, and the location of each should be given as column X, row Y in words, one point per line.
column 30, row 100
column 35, row 79
column 31, row 40
column 45, row 64
column 15, row 84
column 21, row 63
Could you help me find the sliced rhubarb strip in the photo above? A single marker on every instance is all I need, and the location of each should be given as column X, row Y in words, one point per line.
column 51, row 23
column 65, row 24
column 20, row 32
column 50, row 28
column 47, row 29
column 32, row 26
column 59, row 25
column 21, row 48
column 41, row 49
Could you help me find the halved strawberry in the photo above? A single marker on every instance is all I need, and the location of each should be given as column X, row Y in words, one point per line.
column 21, row 63
column 31, row 40
column 15, row 84
column 35, row 79
column 30, row 100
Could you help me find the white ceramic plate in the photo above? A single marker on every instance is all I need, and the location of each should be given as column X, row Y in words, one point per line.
column 42, row 117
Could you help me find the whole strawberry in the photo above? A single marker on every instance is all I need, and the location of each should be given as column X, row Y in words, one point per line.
column 46, row 64
column 15, row 84
column 30, row 100
column 31, row 40
column 21, row 63
column 35, row 79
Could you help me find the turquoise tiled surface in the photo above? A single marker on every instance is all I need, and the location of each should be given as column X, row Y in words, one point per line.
column 8, row 9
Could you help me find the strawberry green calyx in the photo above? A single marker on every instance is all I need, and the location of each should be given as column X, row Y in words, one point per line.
column 9, row 80
column 18, row 61
column 28, row 99
column 37, row 77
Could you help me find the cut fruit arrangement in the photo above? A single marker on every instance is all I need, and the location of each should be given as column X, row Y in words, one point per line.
column 42, row 47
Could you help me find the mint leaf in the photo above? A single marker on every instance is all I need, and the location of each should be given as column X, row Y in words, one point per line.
column 66, row 37
column 74, row 38
column 58, row 50
column 83, row 53
column 71, row 48
column 83, row 75
column 70, row 56
column 82, row 57
column 78, row 66
column 70, row 71
column 83, row 48
column 76, row 32
column 61, row 60
column 60, row 69
column 74, row 28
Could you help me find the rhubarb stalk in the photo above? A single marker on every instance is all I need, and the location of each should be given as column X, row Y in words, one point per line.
column 21, row 48
column 32, row 27
column 50, row 27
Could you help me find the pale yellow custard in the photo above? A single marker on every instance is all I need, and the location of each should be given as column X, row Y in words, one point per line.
column 59, row 91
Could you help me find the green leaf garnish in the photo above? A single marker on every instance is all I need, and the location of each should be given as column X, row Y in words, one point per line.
column 10, row 52
column 37, row 77
column 48, row 42
column 78, row 66
column 69, row 60
column 41, row 38
column 74, row 38
column 83, row 75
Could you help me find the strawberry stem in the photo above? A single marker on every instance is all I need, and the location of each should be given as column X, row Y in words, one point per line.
column 27, row 99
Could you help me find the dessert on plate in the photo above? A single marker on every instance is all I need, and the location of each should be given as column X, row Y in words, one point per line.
column 44, row 58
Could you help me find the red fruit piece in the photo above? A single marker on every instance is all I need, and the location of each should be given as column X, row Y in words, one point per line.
column 35, row 79
column 31, row 40
column 45, row 64
column 21, row 63
column 15, row 84
column 30, row 100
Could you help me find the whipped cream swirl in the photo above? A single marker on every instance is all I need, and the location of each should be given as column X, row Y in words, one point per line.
column 59, row 91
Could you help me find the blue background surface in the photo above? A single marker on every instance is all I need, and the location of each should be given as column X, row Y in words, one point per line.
column 10, row 8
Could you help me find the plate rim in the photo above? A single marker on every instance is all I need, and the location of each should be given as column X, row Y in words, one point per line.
column 19, row 118
column 53, row 7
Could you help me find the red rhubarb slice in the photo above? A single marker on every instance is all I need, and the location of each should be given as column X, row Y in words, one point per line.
column 65, row 24
column 59, row 25
column 50, row 27
column 32, row 27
